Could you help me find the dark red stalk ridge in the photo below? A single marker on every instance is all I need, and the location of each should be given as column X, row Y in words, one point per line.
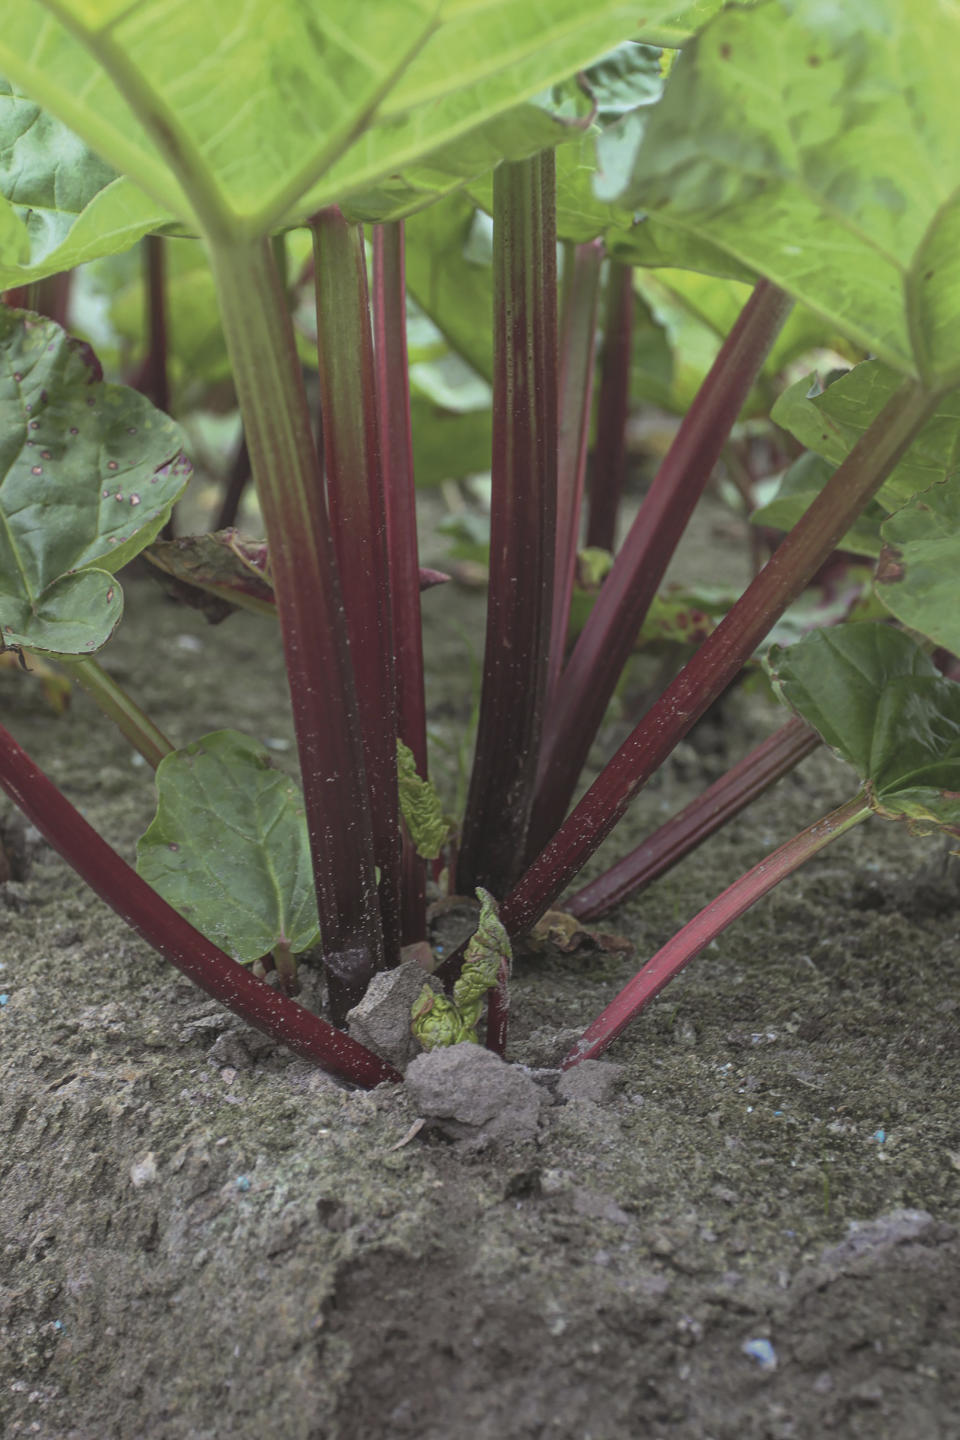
column 355, row 498
column 396, row 448
column 522, row 528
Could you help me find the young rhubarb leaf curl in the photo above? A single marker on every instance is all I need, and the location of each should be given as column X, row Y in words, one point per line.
column 438, row 1020
column 420, row 806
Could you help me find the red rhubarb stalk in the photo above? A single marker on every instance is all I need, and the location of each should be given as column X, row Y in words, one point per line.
column 714, row 918
column 351, row 444
column 697, row 821
column 289, row 481
column 607, row 639
column 723, row 654
column 523, row 525
column 577, row 351
column 396, row 448
column 167, row 931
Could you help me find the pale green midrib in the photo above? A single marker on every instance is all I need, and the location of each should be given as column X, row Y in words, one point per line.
column 260, row 222
column 911, row 780
column 284, row 905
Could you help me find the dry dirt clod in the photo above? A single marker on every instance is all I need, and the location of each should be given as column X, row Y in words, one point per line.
column 594, row 1080
column 469, row 1093
column 381, row 1020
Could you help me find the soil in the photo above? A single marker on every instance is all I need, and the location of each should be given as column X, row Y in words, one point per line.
column 752, row 1236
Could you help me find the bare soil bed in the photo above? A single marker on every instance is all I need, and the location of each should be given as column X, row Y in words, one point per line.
column 751, row 1236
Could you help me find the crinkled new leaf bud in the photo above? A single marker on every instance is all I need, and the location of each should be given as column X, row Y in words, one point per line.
column 436, row 1021
column 420, row 806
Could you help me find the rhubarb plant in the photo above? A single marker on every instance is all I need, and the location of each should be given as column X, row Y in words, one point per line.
column 745, row 187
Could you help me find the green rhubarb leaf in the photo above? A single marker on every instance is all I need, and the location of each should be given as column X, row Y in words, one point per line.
column 228, row 847
column 449, row 265
column 591, row 170
column 816, row 145
column 799, row 487
column 69, row 205
column 878, row 700
column 517, row 134
column 917, row 578
column 275, row 108
column 488, row 949
column 450, row 414
column 438, row 1020
column 448, row 444
column 88, row 475
column 14, row 241
column 429, row 827
column 697, row 313
column 833, row 421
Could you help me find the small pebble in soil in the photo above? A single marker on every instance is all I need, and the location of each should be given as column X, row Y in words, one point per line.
column 144, row 1170
column 762, row 1351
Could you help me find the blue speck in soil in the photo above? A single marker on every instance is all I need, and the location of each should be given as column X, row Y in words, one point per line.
column 879, row 1136
column 761, row 1351
column 3, row 999
column 243, row 1182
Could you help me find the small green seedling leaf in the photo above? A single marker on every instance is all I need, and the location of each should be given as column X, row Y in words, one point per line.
column 429, row 827
column 917, row 576
column 832, row 421
column 877, row 699
column 438, row 1020
column 88, row 475
column 228, row 847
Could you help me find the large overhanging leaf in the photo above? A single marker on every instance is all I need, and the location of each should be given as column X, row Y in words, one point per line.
column 88, row 475
column 816, row 144
column 229, row 849
column 268, row 106
column 918, row 577
column 877, row 699
column 516, row 134
column 67, row 204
